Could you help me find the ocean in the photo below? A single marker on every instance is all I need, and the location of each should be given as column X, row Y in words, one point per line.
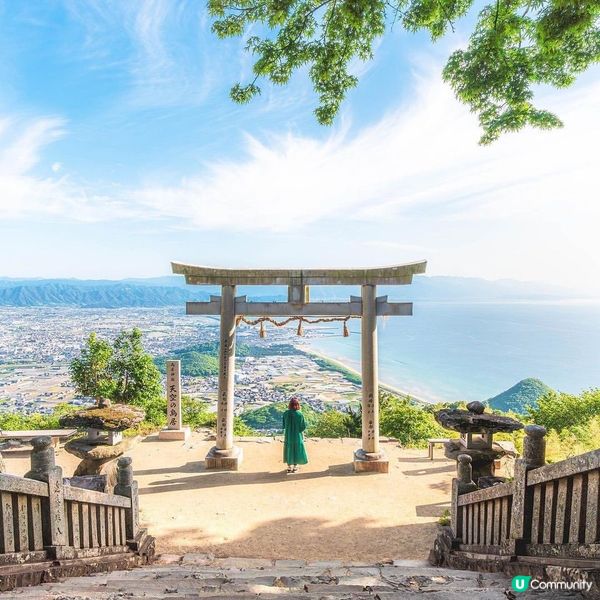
column 473, row 351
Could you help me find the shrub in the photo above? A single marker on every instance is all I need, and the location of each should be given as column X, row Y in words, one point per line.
column 558, row 411
column 409, row 424
column 333, row 424
column 19, row 422
column 195, row 413
column 240, row 428
column 445, row 518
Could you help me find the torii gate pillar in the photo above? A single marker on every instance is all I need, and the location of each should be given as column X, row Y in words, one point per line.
column 224, row 455
column 369, row 457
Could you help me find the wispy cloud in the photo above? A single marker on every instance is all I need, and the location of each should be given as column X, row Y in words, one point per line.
column 144, row 37
column 417, row 178
column 26, row 193
column 422, row 157
column 20, row 147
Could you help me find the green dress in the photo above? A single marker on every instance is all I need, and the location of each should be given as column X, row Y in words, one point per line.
column 294, row 452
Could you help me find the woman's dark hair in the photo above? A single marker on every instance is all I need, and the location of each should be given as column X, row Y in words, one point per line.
column 294, row 404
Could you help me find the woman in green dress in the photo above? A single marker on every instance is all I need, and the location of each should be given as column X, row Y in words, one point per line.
column 294, row 453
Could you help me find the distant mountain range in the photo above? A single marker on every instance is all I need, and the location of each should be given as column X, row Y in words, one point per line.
column 525, row 393
column 172, row 291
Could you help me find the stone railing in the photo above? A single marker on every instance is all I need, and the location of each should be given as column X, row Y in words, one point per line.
column 483, row 518
column 548, row 515
column 43, row 518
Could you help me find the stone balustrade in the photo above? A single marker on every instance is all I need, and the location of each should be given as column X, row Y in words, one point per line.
column 44, row 518
column 547, row 516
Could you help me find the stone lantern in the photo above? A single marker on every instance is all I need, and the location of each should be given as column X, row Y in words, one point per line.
column 104, row 442
column 477, row 429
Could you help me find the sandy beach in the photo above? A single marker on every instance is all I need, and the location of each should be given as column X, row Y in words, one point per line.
column 390, row 388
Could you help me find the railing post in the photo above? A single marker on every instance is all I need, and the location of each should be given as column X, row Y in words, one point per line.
column 465, row 474
column 534, row 446
column 126, row 486
column 534, row 456
column 44, row 468
column 42, row 458
column 2, row 465
column 461, row 485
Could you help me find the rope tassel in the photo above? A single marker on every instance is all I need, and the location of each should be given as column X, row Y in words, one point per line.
column 301, row 320
column 346, row 330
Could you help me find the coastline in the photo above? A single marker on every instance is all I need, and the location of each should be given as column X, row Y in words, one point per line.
column 384, row 386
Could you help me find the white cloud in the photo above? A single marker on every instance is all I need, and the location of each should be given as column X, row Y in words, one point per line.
column 20, row 146
column 422, row 157
column 23, row 194
column 526, row 206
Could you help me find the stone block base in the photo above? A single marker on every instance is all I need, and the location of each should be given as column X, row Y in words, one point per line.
column 365, row 464
column 225, row 460
column 182, row 434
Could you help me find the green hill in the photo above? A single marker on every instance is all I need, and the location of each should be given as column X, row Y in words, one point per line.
column 519, row 396
column 201, row 360
column 270, row 417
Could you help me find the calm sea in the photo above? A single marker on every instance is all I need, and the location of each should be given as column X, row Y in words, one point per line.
column 455, row 351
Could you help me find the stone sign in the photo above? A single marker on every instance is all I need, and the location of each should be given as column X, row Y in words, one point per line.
column 175, row 429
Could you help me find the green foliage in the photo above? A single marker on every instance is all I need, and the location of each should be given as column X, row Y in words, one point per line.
column 573, row 423
column 270, row 416
column 516, row 45
column 196, row 413
column 196, row 364
column 91, row 372
column 520, row 396
column 399, row 418
column 137, row 380
column 559, row 411
column 445, row 518
column 19, row 422
column 156, row 411
column 241, row 428
column 411, row 425
column 331, row 365
column 574, row 440
column 121, row 371
column 334, row 424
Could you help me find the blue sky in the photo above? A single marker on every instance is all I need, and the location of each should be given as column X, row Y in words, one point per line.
column 121, row 151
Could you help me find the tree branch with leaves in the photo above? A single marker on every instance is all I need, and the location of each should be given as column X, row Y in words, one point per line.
column 515, row 46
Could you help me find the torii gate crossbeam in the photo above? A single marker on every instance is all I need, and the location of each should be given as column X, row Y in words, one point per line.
column 225, row 455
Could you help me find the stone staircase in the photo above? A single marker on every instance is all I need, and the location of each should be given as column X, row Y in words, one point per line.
column 195, row 576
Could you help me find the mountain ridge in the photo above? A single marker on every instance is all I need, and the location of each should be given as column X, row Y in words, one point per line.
column 172, row 291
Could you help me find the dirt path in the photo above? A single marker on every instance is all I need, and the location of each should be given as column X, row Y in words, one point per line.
column 323, row 512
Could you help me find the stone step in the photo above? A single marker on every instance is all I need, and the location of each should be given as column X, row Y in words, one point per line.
column 198, row 577
column 75, row 594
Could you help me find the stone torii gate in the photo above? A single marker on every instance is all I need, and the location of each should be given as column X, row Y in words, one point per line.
column 370, row 457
